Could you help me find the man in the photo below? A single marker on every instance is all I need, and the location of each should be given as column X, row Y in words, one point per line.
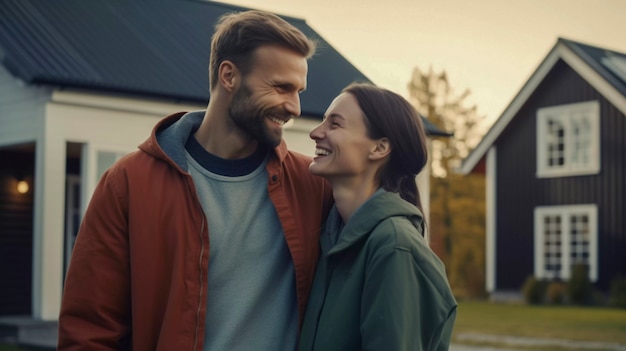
column 206, row 237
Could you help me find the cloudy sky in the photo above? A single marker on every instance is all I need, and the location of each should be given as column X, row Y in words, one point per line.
column 488, row 46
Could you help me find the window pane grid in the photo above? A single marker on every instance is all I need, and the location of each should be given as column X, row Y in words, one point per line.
column 581, row 142
column 556, row 143
column 552, row 246
column 579, row 238
column 565, row 236
column 568, row 139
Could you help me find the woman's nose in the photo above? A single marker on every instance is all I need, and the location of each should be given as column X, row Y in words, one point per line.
column 316, row 133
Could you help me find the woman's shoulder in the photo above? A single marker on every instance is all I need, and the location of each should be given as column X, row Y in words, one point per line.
column 397, row 232
column 398, row 236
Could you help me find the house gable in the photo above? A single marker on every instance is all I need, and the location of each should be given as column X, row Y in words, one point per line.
column 516, row 192
column 602, row 69
column 519, row 191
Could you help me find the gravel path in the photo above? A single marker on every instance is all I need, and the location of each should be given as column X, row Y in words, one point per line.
column 526, row 342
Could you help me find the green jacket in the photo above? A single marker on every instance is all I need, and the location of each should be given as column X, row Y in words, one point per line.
column 379, row 287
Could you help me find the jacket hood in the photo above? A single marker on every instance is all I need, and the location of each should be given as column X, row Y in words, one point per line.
column 380, row 206
column 169, row 136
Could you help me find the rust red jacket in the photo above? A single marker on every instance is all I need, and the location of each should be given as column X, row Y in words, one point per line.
column 137, row 278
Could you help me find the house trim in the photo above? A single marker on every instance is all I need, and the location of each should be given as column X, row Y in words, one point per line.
column 120, row 103
column 490, row 237
column 48, row 215
column 560, row 51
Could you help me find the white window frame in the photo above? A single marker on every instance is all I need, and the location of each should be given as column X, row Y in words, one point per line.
column 565, row 213
column 72, row 214
column 567, row 116
column 93, row 166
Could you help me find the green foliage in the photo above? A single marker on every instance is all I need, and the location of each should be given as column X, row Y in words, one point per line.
column 579, row 288
column 457, row 213
column 618, row 292
column 599, row 298
column 457, row 203
column 556, row 293
column 534, row 290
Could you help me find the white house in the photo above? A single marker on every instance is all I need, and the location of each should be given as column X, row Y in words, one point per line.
column 84, row 82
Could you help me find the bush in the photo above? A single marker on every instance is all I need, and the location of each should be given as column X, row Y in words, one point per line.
column 534, row 290
column 555, row 293
column 579, row 288
column 599, row 298
column 618, row 292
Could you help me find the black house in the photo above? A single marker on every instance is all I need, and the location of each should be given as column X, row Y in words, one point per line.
column 555, row 165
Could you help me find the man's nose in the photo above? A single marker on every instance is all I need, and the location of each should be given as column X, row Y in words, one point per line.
column 292, row 105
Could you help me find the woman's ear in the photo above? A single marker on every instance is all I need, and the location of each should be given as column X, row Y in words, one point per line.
column 228, row 75
column 380, row 150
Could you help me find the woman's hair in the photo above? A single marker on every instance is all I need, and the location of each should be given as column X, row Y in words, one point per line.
column 391, row 116
column 237, row 35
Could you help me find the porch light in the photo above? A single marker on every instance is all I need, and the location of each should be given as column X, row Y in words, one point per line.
column 22, row 187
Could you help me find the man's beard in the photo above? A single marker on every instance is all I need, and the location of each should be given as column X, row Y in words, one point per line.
column 251, row 118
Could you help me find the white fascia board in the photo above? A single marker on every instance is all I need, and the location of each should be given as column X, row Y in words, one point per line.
column 122, row 103
column 498, row 127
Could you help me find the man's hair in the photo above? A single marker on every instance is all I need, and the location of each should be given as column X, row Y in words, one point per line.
column 237, row 35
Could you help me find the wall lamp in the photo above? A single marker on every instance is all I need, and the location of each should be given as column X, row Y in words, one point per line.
column 22, row 186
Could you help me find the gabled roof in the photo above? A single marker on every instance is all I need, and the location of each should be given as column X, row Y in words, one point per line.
column 148, row 48
column 603, row 69
column 157, row 49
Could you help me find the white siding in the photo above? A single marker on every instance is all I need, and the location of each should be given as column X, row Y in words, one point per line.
column 296, row 135
column 21, row 110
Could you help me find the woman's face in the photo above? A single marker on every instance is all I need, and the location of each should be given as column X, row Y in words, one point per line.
column 342, row 147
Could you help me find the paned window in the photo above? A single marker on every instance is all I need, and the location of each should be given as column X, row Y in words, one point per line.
column 568, row 140
column 565, row 236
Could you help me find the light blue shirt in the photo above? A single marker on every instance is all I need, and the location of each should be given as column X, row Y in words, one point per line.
column 251, row 280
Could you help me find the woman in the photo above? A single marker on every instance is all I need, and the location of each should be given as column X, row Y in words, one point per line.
column 378, row 285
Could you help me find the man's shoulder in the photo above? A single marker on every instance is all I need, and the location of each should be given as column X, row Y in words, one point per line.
column 295, row 162
column 136, row 162
column 299, row 157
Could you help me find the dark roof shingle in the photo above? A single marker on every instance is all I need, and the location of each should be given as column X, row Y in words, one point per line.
column 154, row 49
column 611, row 65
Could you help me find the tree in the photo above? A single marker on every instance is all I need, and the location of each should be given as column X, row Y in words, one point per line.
column 457, row 207
column 434, row 98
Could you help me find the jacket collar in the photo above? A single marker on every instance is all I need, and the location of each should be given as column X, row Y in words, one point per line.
column 380, row 206
column 169, row 135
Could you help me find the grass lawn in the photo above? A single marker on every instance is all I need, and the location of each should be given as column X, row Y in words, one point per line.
column 560, row 322
column 520, row 320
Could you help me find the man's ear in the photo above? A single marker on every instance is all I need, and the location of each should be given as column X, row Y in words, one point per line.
column 380, row 150
column 228, row 75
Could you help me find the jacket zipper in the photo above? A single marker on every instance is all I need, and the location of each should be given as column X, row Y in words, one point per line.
column 330, row 268
column 195, row 342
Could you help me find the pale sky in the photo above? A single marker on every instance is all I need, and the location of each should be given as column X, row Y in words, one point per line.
column 488, row 46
